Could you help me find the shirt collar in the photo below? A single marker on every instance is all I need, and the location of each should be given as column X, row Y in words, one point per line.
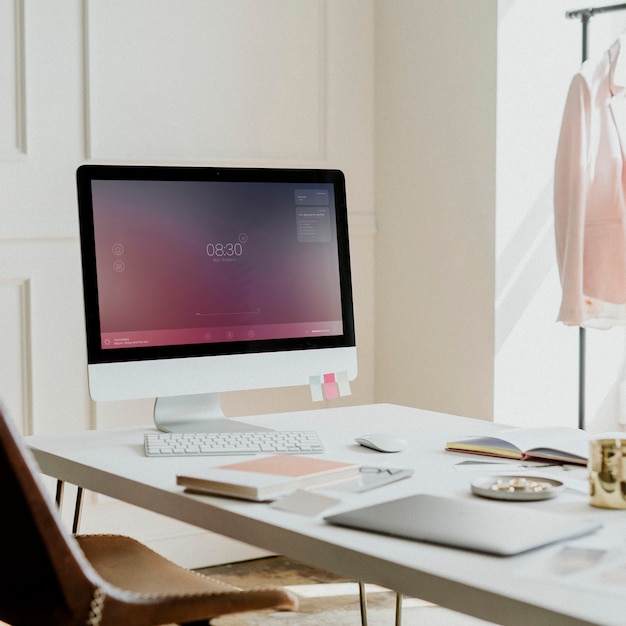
column 618, row 63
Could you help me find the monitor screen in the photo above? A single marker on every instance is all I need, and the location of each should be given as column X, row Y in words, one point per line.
column 200, row 280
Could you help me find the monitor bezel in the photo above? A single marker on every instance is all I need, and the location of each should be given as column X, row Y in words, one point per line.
column 96, row 354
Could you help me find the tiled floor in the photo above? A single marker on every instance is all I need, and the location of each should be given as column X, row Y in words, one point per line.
column 326, row 599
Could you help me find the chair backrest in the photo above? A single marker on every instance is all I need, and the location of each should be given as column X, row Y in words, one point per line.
column 46, row 578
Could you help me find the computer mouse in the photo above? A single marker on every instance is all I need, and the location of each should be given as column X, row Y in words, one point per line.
column 382, row 442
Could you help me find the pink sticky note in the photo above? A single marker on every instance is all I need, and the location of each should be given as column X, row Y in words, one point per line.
column 332, row 391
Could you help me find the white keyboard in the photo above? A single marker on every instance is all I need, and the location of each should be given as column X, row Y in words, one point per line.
column 211, row 444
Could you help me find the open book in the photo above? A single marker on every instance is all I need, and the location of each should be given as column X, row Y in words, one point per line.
column 558, row 443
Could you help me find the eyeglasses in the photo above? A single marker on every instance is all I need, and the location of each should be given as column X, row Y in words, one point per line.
column 367, row 469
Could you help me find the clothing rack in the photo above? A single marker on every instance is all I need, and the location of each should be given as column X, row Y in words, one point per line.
column 585, row 15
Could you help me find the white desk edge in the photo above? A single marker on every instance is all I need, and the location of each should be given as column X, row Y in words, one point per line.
column 505, row 590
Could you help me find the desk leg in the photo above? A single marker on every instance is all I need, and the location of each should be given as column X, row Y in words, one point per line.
column 77, row 507
column 363, row 602
column 398, row 609
column 59, row 495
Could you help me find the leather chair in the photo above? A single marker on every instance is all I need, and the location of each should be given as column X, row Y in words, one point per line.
column 52, row 577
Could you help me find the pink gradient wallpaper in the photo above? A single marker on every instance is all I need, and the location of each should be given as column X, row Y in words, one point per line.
column 192, row 262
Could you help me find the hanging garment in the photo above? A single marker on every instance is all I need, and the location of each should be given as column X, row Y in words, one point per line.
column 589, row 194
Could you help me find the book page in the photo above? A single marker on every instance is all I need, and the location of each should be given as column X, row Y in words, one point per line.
column 561, row 438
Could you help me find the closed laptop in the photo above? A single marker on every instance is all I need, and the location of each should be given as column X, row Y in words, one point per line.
column 483, row 526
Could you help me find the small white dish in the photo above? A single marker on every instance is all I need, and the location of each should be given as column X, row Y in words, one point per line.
column 520, row 488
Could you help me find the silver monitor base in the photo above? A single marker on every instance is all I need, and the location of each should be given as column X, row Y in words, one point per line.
column 201, row 413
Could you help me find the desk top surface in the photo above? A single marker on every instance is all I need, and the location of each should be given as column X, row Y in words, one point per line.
column 574, row 582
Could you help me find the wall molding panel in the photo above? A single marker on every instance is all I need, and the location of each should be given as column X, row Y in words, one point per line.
column 247, row 82
column 13, row 79
column 16, row 341
column 277, row 83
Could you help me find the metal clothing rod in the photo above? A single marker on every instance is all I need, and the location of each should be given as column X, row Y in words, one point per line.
column 586, row 14
column 591, row 11
column 582, row 345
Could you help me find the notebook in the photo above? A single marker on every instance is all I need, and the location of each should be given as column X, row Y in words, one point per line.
column 480, row 525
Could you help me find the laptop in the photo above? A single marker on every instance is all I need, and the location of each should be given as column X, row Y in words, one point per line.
column 497, row 528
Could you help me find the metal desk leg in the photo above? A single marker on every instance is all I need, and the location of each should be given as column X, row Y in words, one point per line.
column 59, row 495
column 363, row 602
column 77, row 507
column 398, row 609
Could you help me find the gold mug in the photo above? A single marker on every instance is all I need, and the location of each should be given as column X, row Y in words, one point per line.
column 607, row 473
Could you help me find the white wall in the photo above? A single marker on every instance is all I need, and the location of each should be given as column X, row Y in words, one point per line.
column 218, row 82
column 536, row 358
column 456, row 303
column 272, row 83
column 469, row 98
column 435, row 203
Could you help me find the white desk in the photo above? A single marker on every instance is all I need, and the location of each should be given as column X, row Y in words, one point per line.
column 524, row 589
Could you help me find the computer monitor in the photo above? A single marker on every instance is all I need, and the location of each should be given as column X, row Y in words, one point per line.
column 202, row 280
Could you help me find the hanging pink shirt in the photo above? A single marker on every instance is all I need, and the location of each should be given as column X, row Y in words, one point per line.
column 589, row 194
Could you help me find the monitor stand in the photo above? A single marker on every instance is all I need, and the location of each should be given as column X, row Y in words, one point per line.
column 200, row 413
